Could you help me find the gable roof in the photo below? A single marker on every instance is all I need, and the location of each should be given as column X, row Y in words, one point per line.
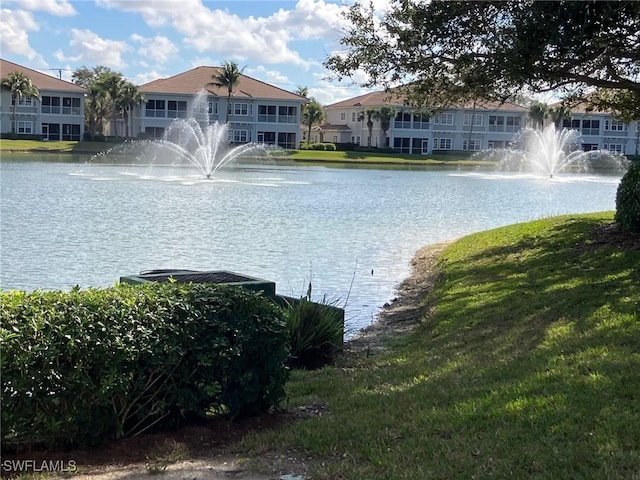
column 42, row 81
column 194, row 80
column 377, row 99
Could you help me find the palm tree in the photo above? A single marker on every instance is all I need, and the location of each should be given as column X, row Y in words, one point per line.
column 370, row 114
column 228, row 78
column 129, row 97
column 20, row 86
column 538, row 111
column 386, row 113
column 559, row 113
column 111, row 84
column 312, row 114
column 302, row 91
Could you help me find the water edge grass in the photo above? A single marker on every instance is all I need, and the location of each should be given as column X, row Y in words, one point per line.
column 527, row 367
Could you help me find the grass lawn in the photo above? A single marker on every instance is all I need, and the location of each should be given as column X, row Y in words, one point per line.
column 36, row 146
column 305, row 156
column 528, row 367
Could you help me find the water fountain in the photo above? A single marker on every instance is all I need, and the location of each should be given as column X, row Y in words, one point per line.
column 197, row 142
column 550, row 151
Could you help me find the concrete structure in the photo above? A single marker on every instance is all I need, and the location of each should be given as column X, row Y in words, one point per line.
column 258, row 112
column 471, row 127
column 57, row 115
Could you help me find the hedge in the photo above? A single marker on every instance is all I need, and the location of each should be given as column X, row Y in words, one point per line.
column 82, row 367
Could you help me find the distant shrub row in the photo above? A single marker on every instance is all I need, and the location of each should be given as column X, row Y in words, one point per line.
column 83, row 367
column 318, row 146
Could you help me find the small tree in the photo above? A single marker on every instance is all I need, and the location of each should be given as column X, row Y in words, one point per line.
column 20, row 86
column 538, row 111
column 128, row 98
column 312, row 114
column 228, row 78
column 386, row 114
column 370, row 114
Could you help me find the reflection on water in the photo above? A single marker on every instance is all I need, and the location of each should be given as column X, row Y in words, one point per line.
column 351, row 232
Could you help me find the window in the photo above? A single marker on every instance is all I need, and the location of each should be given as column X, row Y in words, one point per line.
column 286, row 140
column 335, row 139
column 353, row 116
column 155, row 108
column 493, row 144
column 478, row 119
column 402, row 144
column 176, row 109
column 71, row 132
column 474, row 144
column 402, row 120
column 591, row 127
column 287, row 114
column 24, row 127
column 268, row 138
column 425, row 145
column 343, row 116
column 442, row 144
column 266, row 113
column 70, row 106
column 496, row 123
column 420, row 121
column 50, row 104
column 154, row 132
column 444, row 119
column 614, row 147
column 212, row 108
column 241, row 109
column 241, row 136
column 513, row 124
column 23, row 101
column 615, row 125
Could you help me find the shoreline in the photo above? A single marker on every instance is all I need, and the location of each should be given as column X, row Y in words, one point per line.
column 403, row 313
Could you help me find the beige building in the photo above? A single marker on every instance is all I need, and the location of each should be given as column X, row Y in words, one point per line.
column 471, row 127
column 258, row 112
column 57, row 115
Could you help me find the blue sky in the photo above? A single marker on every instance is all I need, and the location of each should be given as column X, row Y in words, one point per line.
column 280, row 42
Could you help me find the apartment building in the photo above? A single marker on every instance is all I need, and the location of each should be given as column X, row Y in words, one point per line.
column 57, row 115
column 471, row 127
column 257, row 111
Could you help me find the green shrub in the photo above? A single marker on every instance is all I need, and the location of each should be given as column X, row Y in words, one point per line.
column 628, row 200
column 316, row 332
column 86, row 366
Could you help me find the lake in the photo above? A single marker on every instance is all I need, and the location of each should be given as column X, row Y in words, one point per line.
column 351, row 232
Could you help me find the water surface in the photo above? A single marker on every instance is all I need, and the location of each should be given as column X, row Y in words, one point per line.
column 351, row 232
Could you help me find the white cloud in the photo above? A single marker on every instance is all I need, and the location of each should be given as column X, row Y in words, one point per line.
column 160, row 48
column 14, row 37
column 59, row 8
column 263, row 39
column 87, row 47
column 270, row 76
column 146, row 77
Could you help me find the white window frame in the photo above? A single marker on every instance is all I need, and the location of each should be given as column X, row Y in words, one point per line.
column 242, row 109
column 24, row 127
column 343, row 116
column 442, row 144
column 614, row 147
column 473, row 144
column 478, row 119
column 444, row 118
column 241, row 136
column 615, row 126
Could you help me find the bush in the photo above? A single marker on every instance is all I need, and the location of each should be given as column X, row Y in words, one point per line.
column 80, row 368
column 316, row 332
column 628, row 200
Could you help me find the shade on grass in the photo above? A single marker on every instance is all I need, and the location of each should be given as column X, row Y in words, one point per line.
column 528, row 367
